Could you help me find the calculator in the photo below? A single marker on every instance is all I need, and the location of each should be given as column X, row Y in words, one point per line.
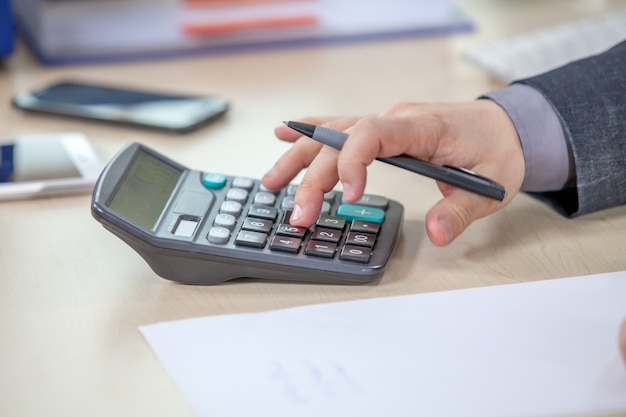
column 201, row 227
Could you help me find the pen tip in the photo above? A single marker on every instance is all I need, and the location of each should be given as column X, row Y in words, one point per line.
column 286, row 123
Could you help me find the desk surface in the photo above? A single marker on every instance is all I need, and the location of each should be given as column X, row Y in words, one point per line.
column 72, row 294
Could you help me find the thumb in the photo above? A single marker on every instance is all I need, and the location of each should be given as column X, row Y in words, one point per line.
column 452, row 215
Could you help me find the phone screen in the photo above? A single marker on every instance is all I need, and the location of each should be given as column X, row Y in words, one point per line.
column 149, row 109
column 23, row 161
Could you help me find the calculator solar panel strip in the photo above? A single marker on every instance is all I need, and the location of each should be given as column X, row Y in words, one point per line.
column 167, row 213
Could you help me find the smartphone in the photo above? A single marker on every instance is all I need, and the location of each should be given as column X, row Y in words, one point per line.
column 174, row 113
column 45, row 165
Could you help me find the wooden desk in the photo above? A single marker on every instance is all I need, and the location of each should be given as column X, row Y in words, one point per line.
column 72, row 295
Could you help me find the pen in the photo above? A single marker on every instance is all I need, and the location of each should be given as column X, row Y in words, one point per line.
column 459, row 177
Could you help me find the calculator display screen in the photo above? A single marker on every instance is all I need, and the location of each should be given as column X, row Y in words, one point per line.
column 145, row 190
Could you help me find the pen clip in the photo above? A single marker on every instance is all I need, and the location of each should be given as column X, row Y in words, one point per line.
column 498, row 189
column 470, row 172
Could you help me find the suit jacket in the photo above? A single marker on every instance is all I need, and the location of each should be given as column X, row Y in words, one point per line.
column 589, row 96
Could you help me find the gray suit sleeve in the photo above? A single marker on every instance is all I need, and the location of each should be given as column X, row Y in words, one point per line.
column 589, row 97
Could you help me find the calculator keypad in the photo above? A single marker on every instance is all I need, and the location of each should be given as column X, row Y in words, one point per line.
column 344, row 231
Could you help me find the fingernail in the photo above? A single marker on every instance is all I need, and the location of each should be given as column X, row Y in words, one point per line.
column 347, row 190
column 271, row 172
column 296, row 213
column 447, row 228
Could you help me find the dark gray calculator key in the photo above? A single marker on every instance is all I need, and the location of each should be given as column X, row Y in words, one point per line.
column 225, row 220
column 257, row 225
column 361, row 239
column 263, row 212
column 325, row 207
column 364, row 226
column 219, row 235
column 321, row 249
column 371, row 201
column 285, row 244
column 332, row 222
column 355, row 254
column 193, row 203
column 285, row 229
column 264, row 199
column 249, row 238
column 326, row 234
column 287, row 216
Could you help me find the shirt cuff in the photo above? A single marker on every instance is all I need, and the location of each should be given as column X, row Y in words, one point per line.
column 546, row 150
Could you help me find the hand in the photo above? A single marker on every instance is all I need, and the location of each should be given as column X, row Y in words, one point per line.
column 476, row 135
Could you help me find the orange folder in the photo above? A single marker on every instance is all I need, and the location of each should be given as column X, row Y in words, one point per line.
column 235, row 26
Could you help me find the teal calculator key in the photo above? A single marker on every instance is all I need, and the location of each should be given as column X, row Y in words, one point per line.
column 214, row 181
column 352, row 211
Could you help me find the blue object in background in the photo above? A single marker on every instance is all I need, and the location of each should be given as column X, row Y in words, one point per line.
column 6, row 29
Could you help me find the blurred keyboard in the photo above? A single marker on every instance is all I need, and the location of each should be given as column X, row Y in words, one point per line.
column 535, row 52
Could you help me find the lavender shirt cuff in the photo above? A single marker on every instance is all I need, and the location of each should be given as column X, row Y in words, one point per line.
column 545, row 146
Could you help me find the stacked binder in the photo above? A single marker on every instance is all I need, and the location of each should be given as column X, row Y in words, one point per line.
column 6, row 29
column 70, row 31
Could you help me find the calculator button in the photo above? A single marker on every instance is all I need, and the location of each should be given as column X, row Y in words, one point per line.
column 287, row 203
column 353, row 211
column 371, row 201
column 287, row 216
column 291, row 189
column 325, row 234
column 249, row 238
column 264, row 189
column 237, row 194
column 214, row 181
column 355, row 254
column 225, row 220
column 219, row 235
column 264, row 199
column 325, row 208
column 285, row 229
column 332, row 222
column 263, row 212
column 244, row 183
column 231, row 207
column 322, row 249
column 364, row 226
column 330, row 197
column 285, row 244
column 257, row 225
column 361, row 239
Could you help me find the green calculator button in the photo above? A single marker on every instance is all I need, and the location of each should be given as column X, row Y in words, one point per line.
column 214, row 181
column 353, row 211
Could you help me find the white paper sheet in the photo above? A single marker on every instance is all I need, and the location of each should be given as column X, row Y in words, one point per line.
column 533, row 349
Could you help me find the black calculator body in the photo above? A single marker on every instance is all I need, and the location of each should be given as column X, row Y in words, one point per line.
column 205, row 228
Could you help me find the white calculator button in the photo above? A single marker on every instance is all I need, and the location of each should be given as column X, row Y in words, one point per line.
column 231, row 207
column 237, row 194
column 265, row 199
column 225, row 220
column 245, row 183
column 219, row 235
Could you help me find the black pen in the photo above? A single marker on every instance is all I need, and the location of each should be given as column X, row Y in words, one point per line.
column 460, row 177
